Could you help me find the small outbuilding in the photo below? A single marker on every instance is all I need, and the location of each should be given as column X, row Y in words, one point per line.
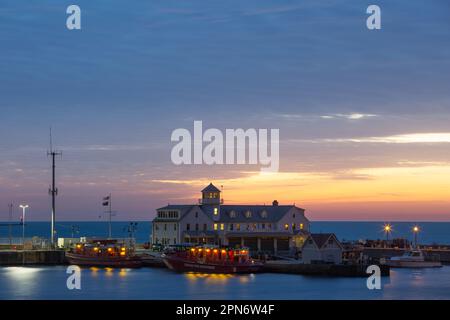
column 322, row 248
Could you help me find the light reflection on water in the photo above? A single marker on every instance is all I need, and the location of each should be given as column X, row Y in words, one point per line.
column 146, row 283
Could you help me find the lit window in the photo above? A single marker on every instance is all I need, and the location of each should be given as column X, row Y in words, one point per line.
column 215, row 226
column 216, row 211
column 264, row 214
column 248, row 214
column 301, row 226
column 238, row 227
column 222, row 226
column 233, row 214
column 286, row 227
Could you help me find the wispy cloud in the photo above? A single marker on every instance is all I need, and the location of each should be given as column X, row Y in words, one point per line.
column 443, row 137
column 349, row 116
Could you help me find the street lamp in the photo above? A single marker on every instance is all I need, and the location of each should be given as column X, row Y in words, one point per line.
column 415, row 230
column 24, row 207
column 387, row 229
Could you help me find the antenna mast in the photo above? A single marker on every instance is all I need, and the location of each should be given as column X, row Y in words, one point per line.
column 53, row 191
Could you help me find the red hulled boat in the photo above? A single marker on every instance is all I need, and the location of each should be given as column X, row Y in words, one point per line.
column 103, row 253
column 209, row 259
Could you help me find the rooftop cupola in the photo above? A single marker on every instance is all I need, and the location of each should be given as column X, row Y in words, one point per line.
column 211, row 195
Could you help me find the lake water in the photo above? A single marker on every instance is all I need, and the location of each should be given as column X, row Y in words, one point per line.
column 147, row 283
column 431, row 232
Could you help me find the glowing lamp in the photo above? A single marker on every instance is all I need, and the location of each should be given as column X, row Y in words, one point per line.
column 215, row 250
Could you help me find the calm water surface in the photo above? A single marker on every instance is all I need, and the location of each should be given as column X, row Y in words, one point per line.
column 146, row 283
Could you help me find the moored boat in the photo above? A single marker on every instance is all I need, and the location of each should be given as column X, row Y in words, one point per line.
column 103, row 253
column 412, row 259
column 211, row 259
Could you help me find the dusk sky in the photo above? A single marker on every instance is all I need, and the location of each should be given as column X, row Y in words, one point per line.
column 364, row 116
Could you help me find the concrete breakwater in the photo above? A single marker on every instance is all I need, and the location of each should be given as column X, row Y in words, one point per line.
column 378, row 253
column 357, row 270
column 31, row 257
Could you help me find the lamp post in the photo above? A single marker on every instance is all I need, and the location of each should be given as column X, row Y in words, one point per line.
column 24, row 207
column 387, row 229
column 415, row 230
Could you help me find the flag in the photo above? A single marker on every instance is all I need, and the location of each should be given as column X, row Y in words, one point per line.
column 106, row 201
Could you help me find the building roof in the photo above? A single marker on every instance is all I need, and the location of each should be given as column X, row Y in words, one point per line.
column 321, row 238
column 211, row 188
column 183, row 208
column 259, row 213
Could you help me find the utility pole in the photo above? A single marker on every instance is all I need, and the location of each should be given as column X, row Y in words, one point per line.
column 10, row 206
column 53, row 191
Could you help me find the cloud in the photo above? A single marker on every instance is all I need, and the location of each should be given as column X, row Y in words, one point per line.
column 350, row 116
column 443, row 137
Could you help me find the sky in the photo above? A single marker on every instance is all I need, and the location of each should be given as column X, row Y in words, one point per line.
column 363, row 114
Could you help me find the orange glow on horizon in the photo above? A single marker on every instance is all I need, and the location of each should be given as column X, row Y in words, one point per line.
column 391, row 193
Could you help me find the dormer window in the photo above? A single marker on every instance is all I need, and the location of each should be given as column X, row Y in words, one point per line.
column 232, row 214
column 264, row 214
column 248, row 214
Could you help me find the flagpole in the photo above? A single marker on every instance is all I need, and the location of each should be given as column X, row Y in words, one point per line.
column 110, row 212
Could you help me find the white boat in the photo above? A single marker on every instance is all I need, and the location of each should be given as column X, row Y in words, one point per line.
column 412, row 259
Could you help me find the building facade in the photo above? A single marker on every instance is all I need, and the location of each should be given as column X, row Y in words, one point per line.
column 266, row 228
column 322, row 248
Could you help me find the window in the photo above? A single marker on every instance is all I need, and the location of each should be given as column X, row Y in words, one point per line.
column 188, row 226
column 238, row 227
column 301, row 226
column 215, row 226
column 165, row 226
column 222, row 226
column 174, row 241
column 216, row 211
column 286, row 227
column 205, row 227
column 196, row 227
column 232, row 214
column 196, row 214
column 231, row 227
column 263, row 225
column 293, row 226
column 175, row 227
column 330, row 241
column 248, row 214
column 264, row 214
column 156, row 227
column 293, row 215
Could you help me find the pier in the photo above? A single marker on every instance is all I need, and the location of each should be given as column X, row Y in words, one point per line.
column 336, row 270
column 31, row 257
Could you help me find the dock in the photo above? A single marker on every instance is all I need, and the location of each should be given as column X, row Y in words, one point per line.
column 31, row 257
column 335, row 270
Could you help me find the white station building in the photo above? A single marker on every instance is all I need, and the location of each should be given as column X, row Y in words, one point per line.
column 265, row 228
